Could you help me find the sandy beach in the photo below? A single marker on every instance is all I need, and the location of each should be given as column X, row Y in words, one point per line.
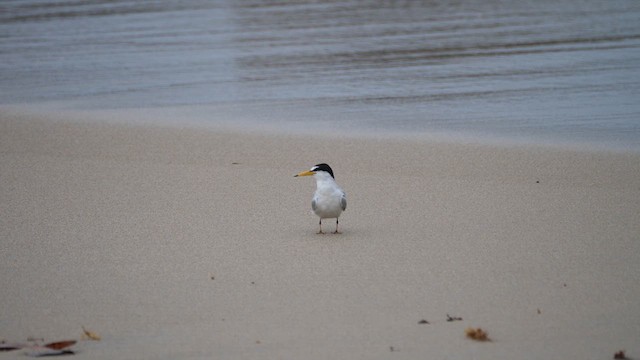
column 187, row 243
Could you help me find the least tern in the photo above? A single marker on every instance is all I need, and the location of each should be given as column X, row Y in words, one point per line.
column 329, row 200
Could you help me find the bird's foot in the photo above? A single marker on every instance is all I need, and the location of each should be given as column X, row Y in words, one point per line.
column 337, row 232
column 320, row 232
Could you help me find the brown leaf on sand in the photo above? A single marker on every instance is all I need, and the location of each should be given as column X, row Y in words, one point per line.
column 59, row 345
column 477, row 334
column 90, row 335
column 4, row 346
column 42, row 351
column 620, row 355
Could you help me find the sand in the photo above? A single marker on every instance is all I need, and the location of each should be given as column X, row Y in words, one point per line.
column 187, row 243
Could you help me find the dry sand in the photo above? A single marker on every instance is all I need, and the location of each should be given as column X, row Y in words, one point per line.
column 188, row 243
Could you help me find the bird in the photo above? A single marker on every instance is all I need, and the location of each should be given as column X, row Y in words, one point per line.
column 329, row 200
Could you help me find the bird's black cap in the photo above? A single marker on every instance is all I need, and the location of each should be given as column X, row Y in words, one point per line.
column 323, row 167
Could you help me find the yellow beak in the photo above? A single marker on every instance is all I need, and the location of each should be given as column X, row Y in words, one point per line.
column 305, row 173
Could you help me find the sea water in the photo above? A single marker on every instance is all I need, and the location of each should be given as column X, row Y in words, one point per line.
column 551, row 70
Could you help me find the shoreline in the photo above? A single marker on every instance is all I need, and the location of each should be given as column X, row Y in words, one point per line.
column 198, row 118
column 190, row 243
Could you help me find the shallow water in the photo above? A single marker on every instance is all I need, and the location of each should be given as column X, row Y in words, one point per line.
column 561, row 70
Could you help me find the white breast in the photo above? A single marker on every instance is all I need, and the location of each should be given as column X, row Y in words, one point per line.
column 328, row 199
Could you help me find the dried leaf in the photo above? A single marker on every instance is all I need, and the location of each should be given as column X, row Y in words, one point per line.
column 620, row 355
column 90, row 335
column 477, row 334
column 40, row 351
column 4, row 346
column 59, row 345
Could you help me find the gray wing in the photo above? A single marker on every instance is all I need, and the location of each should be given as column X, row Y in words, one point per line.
column 343, row 202
column 313, row 204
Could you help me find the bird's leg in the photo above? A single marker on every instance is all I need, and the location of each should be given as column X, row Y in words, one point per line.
column 320, row 231
column 337, row 232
